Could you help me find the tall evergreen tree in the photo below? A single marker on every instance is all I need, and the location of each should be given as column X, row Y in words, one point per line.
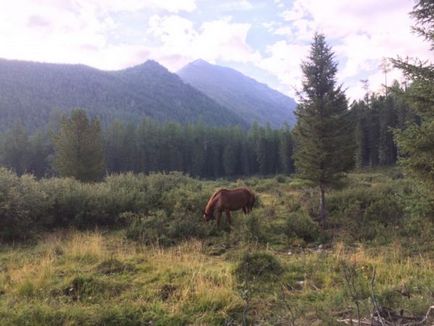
column 79, row 148
column 324, row 142
column 416, row 143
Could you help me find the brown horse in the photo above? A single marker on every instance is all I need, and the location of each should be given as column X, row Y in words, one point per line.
column 229, row 200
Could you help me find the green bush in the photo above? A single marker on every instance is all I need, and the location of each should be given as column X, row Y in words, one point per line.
column 158, row 227
column 253, row 230
column 367, row 212
column 300, row 225
column 28, row 205
column 21, row 204
column 258, row 265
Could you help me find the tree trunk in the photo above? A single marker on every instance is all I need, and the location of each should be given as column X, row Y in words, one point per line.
column 322, row 209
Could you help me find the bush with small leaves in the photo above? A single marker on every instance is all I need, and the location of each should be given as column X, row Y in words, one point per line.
column 258, row 266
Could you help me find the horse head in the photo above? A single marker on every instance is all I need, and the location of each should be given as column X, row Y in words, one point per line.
column 207, row 216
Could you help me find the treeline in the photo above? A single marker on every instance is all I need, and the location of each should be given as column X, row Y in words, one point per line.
column 150, row 146
column 375, row 118
column 198, row 150
column 207, row 152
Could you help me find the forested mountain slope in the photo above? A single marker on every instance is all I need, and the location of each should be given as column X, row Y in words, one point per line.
column 245, row 96
column 30, row 92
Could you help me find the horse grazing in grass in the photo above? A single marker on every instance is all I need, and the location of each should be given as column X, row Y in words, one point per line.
column 229, row 200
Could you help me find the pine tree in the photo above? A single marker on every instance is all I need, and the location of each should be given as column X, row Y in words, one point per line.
column 79, row 148
column 416, row 143
column 323, row 133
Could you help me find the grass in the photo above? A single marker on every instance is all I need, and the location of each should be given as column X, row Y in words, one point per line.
column 60, row 279
column 100, row 277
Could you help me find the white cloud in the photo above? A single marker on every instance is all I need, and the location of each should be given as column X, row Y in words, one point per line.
column 173, row 6
column 73, row 31
column 362, row 32
column 238, row 5
column 279, row 3
column 181, row 42
column 283, row 60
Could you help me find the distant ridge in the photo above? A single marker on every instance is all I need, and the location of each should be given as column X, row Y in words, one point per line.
column 251, row 100
column 30, row 92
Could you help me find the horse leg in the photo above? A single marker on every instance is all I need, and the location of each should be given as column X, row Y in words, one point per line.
column 245, row 210
column 219, row 215
column 228, row 215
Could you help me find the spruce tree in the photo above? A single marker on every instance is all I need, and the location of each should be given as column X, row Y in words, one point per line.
column 79, row 148
column 323, row 134
column 416, row 143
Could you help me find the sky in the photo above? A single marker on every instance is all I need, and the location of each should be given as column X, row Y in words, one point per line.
column 264, row 39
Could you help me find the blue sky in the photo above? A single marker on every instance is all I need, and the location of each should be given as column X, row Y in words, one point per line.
column 265, row 39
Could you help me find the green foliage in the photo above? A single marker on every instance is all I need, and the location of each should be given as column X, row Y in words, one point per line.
column 416, row 143
column 375, row 117
column 28, row 205
column 323, row 130
column 220, row 276
column 300, row 225
column 323, row 134
column 21, row 204
column 79, row 148
column 152, row 146
column 258, row 266
column 159, row 228
column 254, row 230
column 368, row 212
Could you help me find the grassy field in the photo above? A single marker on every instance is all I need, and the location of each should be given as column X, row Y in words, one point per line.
column 275, row 267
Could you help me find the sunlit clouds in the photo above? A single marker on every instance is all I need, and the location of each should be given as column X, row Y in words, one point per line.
column 264, row 39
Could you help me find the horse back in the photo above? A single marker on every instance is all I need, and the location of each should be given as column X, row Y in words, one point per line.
column 234, row 199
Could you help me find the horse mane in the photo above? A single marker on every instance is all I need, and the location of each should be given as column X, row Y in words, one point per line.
column 211, row 202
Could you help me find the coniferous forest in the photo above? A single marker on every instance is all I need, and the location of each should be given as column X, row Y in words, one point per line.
column 212, row 152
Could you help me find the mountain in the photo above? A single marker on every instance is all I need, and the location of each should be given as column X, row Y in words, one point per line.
column 245, row 96
column 32, row 92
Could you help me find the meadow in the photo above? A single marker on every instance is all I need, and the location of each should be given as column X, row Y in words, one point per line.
column 133, row 250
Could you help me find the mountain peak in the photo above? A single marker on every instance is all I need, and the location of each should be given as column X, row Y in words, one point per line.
column 149, row 64
column 146, row 68
column 245, row 96
column 199, row 62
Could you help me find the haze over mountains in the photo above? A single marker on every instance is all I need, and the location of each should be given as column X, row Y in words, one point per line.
column 251, row 100
column 30, row 92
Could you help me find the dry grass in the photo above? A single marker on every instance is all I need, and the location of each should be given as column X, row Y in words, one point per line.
column 88, row 245
column 183, row 282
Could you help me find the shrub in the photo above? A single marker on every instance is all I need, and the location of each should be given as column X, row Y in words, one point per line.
column 21, row 205
column 300, row 225
column 368, row 211
column 253, row 231
column 259, row 265
column 158, row 227
column 28, row 206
